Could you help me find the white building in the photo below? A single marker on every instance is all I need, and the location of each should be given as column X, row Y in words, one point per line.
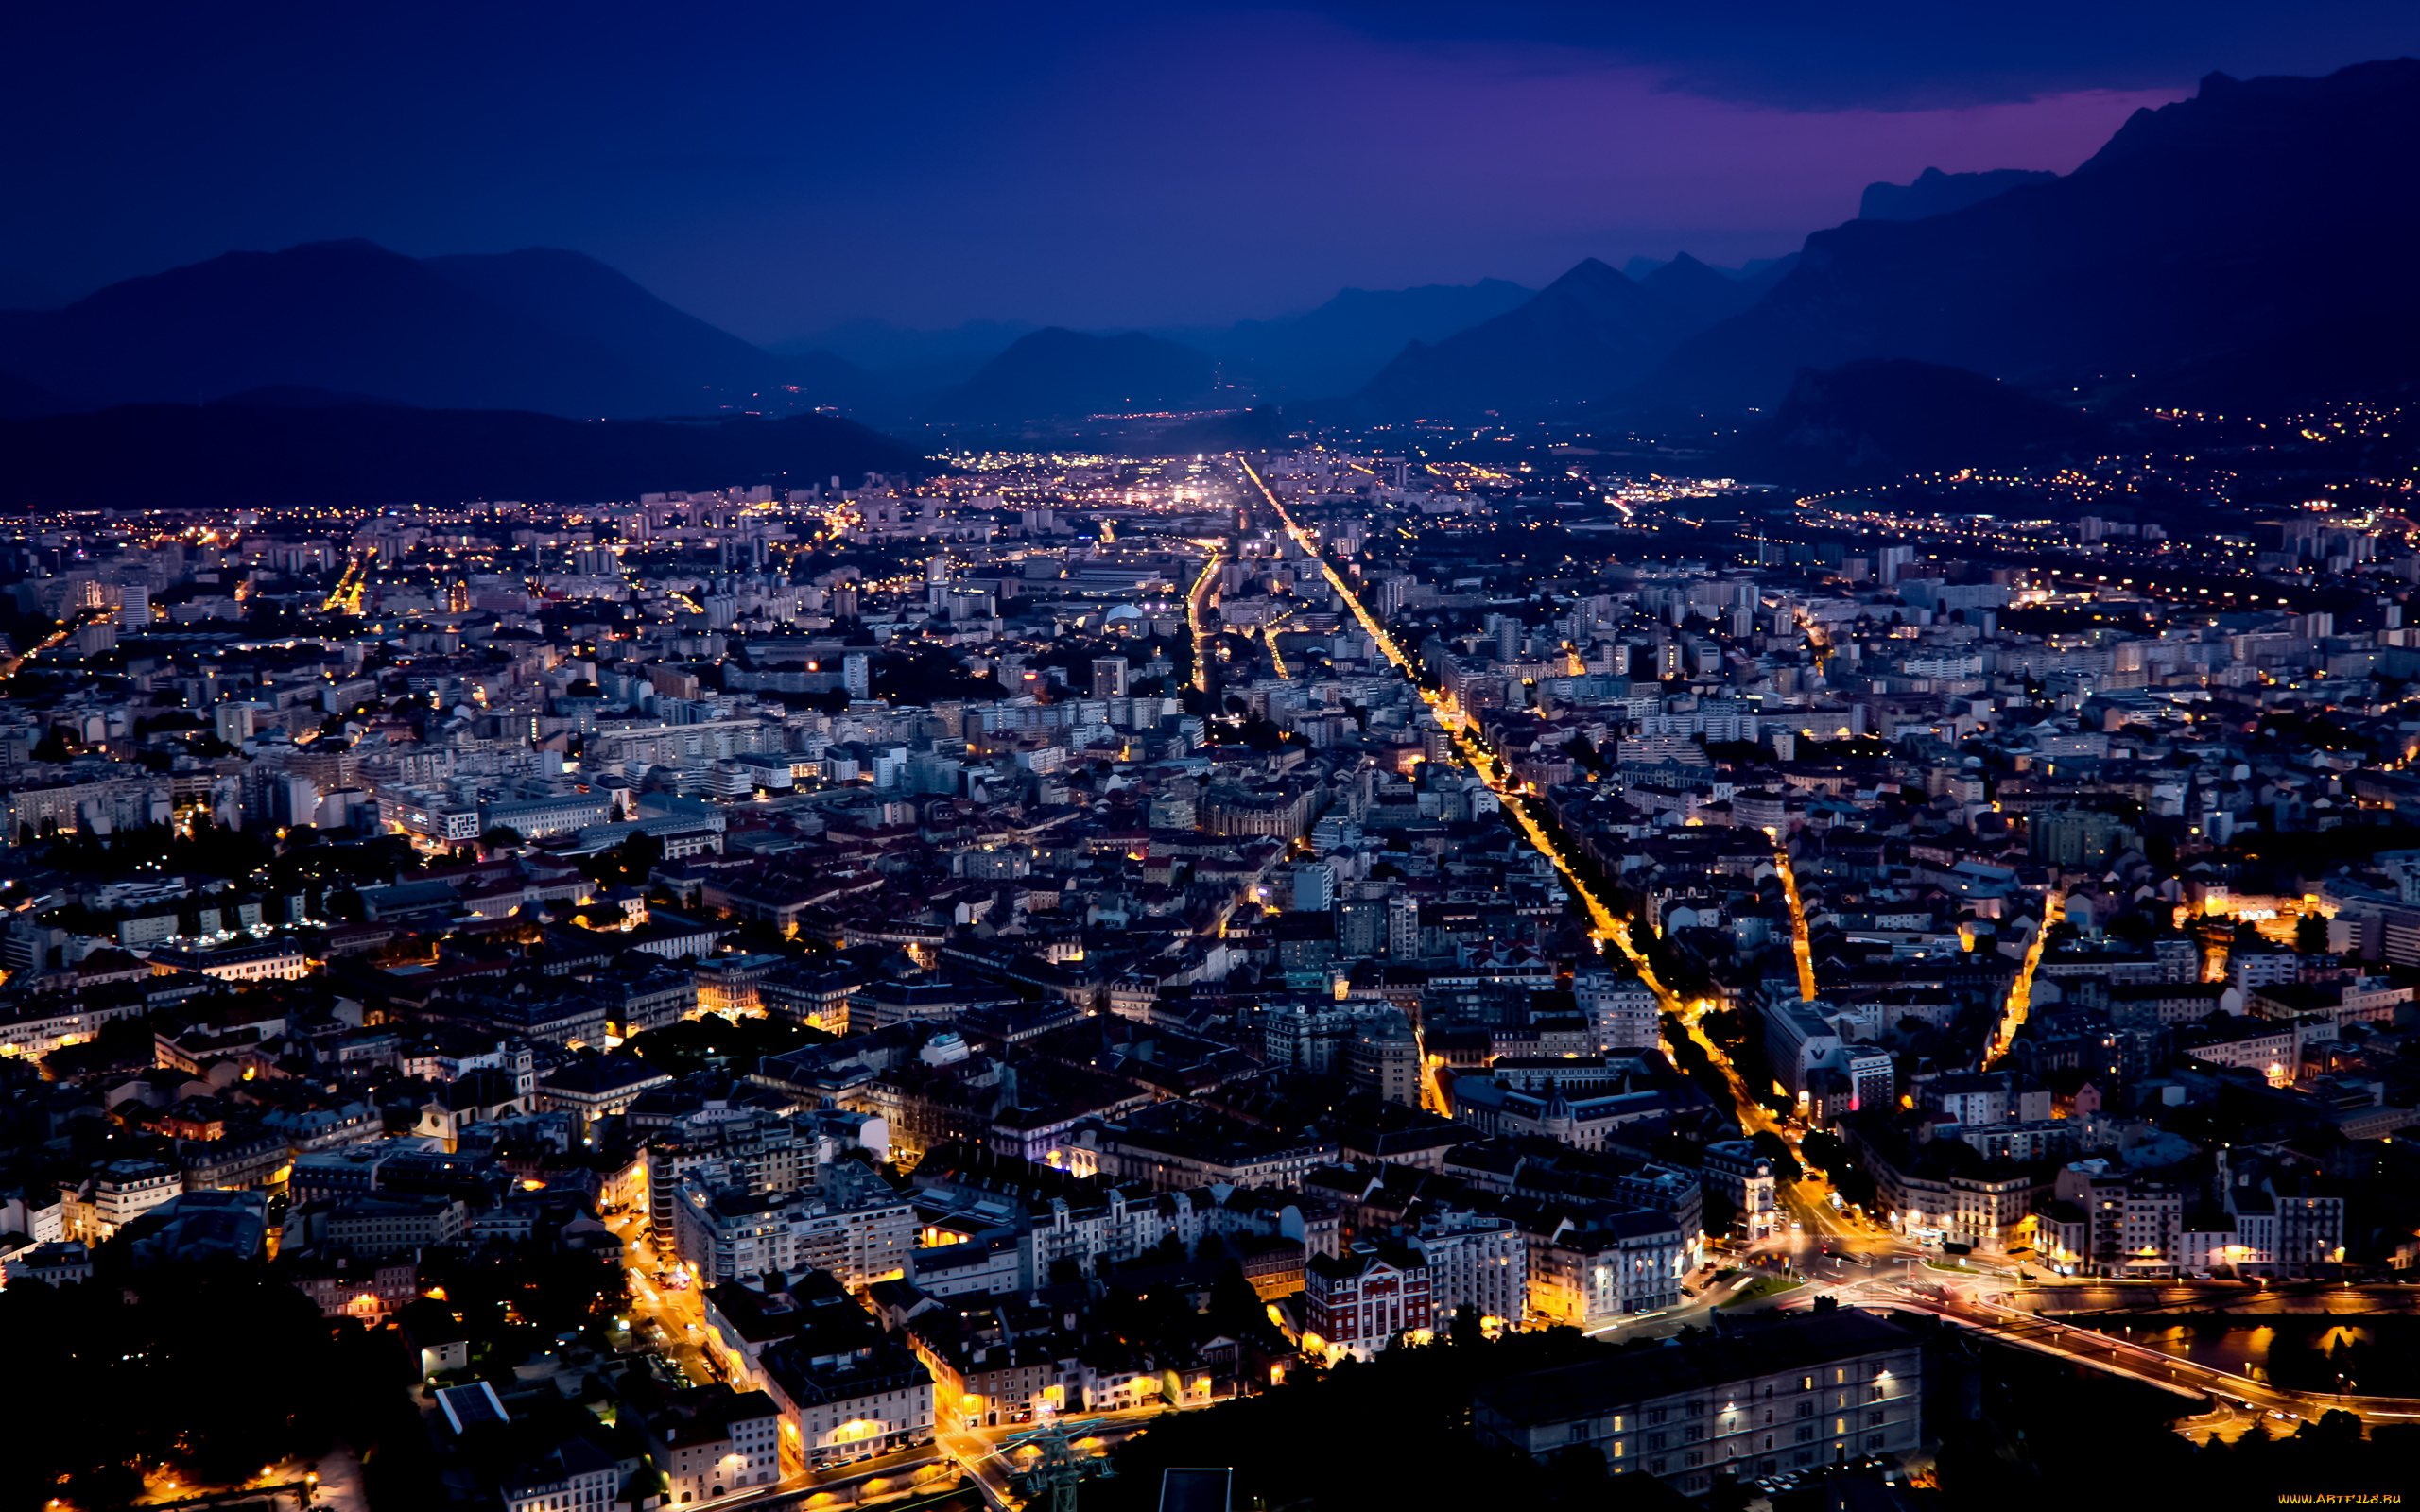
column 1620, row 1006
column 1744, row 1177
column 126, row 1190
column 1477, row 1261
column 728, row 1233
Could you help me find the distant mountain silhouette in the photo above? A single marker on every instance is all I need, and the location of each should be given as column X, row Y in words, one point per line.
column 19, row 399
column 535, row 330
column 1587, row 334
column 2246, row 213
column 587, row 300
column 1701, row 294
column 1340, row 346
column 1058, row 374
column 1767, row 268
column 1328, row 351
column 293, row 396
column 284, row 454
column 913, row 360
column 1883, row 417
column 2371, row 355
column 1936, row 193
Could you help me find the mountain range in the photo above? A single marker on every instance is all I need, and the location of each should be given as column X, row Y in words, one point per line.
column 1332, row 349
column 540, row 330
column 1935, row 193
column 1057, row 372
column 909, row 360
column 2202, row 231
column 1340, row 346
column 1590, row 332
column 1878, row 416
column 558, row 333
column 2252, row 245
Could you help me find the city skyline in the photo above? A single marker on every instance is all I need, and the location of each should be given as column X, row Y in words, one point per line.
column 1774, row 880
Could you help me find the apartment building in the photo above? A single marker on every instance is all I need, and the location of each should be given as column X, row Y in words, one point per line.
column 1620, row 1007
column 727, row 1232
column 1767, row 1394
column 1357, row 1301
column 1477, row 1262
column 1622, row 1266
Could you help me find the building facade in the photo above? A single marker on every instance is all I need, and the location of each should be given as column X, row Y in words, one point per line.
column 1778, row 1393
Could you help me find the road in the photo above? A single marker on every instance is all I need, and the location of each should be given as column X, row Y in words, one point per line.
column 2020, row 994
column 1268, row 637
column 992, row 1455
column 1978, row 1307
column 1801, row 940
column 1817, row 1224
column 9, row 665
column 678, row 1312
column 1809, row 1201
column 986, row 1453
column 1992, row 1300
column 1197, row 602
column 347, row 593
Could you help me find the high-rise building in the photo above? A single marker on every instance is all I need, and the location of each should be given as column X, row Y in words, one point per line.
column 1475, row 1261
column 1383, row 1057
column 1314, row 888
column 1360, row 928
column 1402, row 928
column 1620, row 1006
column 1109, row 677
column 856, row 674
column 234, row 720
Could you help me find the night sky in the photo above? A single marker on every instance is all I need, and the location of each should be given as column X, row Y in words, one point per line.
column 777, row 167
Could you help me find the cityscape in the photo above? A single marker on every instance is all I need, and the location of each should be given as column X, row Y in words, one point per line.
column 1117, row 920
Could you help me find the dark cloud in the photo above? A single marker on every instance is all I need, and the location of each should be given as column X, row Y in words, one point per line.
column 1899, row 54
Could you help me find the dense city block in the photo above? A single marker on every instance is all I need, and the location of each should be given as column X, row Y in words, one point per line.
column 895, row 987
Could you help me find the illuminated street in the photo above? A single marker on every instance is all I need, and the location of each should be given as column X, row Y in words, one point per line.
column 1799, row 943
column 733, row 831
column 1809, row 1201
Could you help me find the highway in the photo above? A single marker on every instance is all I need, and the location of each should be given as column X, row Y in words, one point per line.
column 1983, row 1301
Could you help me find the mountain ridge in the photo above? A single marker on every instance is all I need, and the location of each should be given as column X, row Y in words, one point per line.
column 1591, row 332
column 353, row 317
column 1883, row 416
column 1056, row 374
column 2187, row 235
column 1935, row 193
